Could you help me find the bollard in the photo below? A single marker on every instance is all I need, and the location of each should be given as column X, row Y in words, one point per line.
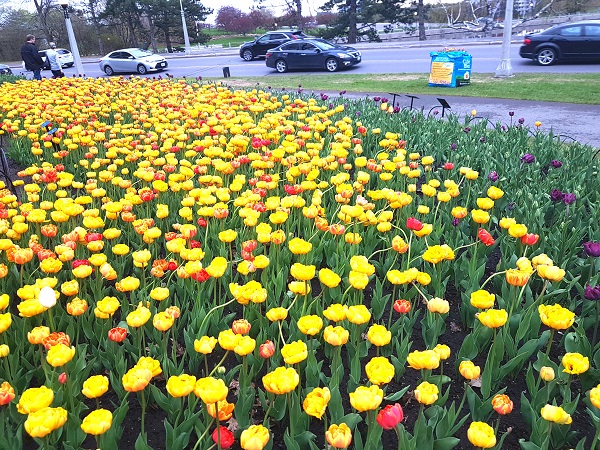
column 226, row 73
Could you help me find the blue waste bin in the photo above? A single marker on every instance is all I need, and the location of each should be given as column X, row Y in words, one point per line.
column 450, row 69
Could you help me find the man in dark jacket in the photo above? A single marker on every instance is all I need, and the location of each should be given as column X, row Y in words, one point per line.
column 31, row 57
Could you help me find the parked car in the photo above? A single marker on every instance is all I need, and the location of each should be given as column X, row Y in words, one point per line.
column 130, row 60
column 65, row 58
column 259, row 47
column 570, row 41
column 5, row 70
column 312, row 54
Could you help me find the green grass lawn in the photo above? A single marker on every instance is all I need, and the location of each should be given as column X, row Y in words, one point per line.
column 566, row 88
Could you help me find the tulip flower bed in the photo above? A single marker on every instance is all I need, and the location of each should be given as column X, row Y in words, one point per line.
column 188, row 266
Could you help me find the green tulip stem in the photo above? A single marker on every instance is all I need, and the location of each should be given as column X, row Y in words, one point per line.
column 218, row 423
column 204, row 433
column 266, row 418
column 281, row 333
column 213, row 310
column 549, row 345
column 596, row 437
column 51, row 320
column 597, row 314
column 546, row 444
column 408, row 254
column 143, row 428
column 389, row 325
column 492, row 276
column 205, row 365
column 292, row 419
column 305, row 298
column 219, row 364
column 293, row 301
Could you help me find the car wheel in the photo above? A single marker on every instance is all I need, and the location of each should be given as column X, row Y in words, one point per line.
column 331, row 65
column 141, row 69
column 247, row 55
column 108, row 70
column 281, row 66
column 546, row 56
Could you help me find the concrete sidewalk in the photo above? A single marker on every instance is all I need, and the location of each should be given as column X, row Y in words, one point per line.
column 572, row 122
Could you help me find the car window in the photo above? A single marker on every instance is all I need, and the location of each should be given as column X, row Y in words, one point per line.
column 264, row 39
column 63, row 52
column 592, row 30
column 290, row 47
column 139, row 53
column 324, row 45
column 308, row 47
column 570, row 31
column 277, row 36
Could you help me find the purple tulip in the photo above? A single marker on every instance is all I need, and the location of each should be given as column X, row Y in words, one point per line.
column 467, row 129
column 511, row 113
column 384, row 100
column 357, row 113
column 592, row 248
column 511, row 206
column 453, row 146
column 556, row 164
column 324, row 96
column 343, row 92
column 556, row 195
column 569, row 199
column 396, row 109
column 493, row 176
column 521, row 120
column 592, row 292
column 528, row 158
column 503, row 128
column 376, row 99
column 455, row 221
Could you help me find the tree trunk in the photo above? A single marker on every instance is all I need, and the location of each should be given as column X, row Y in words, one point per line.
column 41, row 7
column 168, row 41
column 421, row 16
column 352, row 32
column 134, row 41
column 96, row 23
column 152, row 35
column 298, row 13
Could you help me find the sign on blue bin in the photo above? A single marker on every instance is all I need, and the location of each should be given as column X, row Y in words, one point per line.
column 450, row 68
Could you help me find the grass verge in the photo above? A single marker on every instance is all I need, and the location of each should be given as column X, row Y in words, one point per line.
column 565, row 88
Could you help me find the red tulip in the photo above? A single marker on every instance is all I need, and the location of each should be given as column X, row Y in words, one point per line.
column 390, row 416
column 117, row 334
column 226, row 437
column 530, row 239
column 267, row 350
column 414, row 224
column 402, row 306
column 485, row 237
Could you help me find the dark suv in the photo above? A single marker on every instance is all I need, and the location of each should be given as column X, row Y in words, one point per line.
column 259, row 47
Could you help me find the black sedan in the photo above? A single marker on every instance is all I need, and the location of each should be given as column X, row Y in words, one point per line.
column 5, row 70
column 311, row 54
column 577, row 41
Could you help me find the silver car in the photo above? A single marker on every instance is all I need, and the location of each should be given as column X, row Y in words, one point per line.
column 131, row 60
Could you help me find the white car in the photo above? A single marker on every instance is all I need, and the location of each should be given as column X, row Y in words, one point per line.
column 65, row 58
column 132, row 60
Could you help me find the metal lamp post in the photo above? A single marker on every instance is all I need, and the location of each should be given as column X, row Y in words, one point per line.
column 186, row 38
column 504, row 69
column 72, row 41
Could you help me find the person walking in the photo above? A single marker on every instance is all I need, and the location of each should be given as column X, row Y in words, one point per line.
column 31, row 57
column 52, row 56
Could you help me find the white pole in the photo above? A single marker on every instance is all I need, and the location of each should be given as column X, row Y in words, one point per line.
column 73, row 43
column 504, row 69
column 186, row 38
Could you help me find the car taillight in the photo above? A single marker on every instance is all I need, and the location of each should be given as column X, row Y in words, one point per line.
column 268, row 54
column 527, row 41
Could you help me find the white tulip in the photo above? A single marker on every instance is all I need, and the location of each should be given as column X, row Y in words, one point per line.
column 47, row 297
